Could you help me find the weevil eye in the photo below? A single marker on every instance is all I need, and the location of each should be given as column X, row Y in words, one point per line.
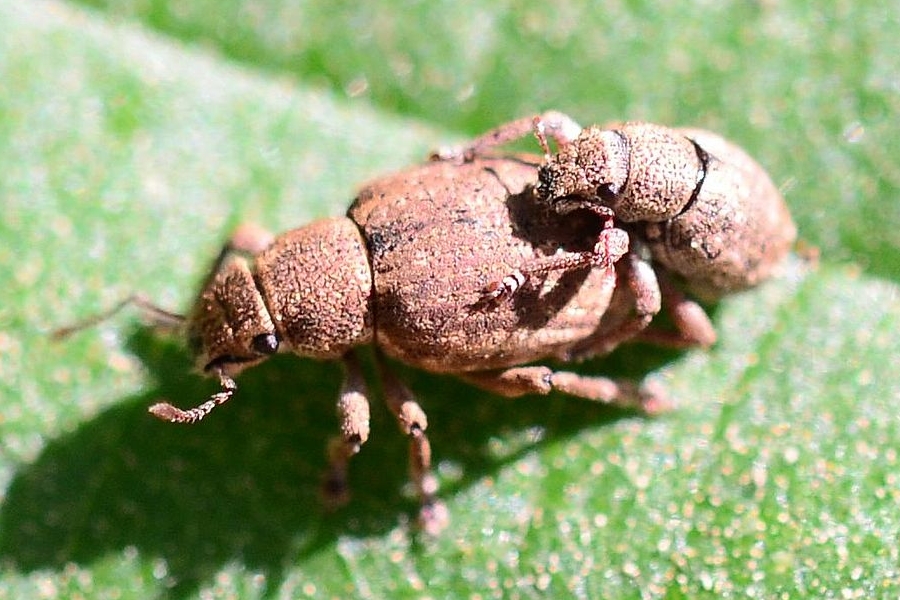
column 265, row 343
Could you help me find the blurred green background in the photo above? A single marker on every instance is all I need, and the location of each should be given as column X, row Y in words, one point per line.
column 134, row 135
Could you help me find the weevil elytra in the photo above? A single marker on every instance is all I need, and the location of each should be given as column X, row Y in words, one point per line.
column 420, row 268
column 703, row 208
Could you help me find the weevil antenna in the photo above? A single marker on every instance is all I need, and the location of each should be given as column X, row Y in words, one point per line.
column 540, row 132
column 159, row 317
column 167, row 412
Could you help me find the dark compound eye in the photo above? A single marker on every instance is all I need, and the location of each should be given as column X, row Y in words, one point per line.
column 265, row 343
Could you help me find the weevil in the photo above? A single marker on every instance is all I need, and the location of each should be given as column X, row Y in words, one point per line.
column 419, row 267
column 697, row 207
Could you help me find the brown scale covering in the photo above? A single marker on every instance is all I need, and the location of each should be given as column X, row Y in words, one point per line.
column 317, row 284
column 708, row 212
column 227, row 315
column 734, row 234
column 439, row 234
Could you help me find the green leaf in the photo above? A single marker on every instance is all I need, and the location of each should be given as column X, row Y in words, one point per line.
column 134, row 135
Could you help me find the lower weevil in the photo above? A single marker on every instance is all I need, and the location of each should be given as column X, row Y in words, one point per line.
column 419, row 268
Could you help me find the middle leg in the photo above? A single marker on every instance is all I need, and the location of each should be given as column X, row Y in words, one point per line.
column 353, row 417
column 558, row 126
column 636, row 301
column 518, row 381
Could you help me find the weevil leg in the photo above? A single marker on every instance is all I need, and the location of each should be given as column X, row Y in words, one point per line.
column 558, row 126
column 250, row 239
column 692, row 325
column 637, row 280
column 433, row 516
column 353, row 418
column 518, row 381
column 157, row 317
column 611, row 245
column 507, row 287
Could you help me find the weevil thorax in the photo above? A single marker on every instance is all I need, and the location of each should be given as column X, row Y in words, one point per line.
column 229, row 327
column 316, row 282
column 593, row 166
column 664, row 173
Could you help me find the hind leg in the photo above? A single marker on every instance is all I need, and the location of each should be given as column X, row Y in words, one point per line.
column 518, row 381
column 433, row 516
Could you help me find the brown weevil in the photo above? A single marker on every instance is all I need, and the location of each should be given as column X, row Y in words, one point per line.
column 697, row 206
column 455, row 268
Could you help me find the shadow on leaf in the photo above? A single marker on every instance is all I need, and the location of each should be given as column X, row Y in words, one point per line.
column 243, row 485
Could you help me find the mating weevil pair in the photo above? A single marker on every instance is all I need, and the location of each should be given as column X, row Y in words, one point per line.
column 478, row 265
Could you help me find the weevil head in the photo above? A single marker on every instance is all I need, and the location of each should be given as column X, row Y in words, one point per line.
column 593, row 168
column 229, row 328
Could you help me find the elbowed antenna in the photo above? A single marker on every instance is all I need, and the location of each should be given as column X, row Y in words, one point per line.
column 159, row 317
column 173, row 414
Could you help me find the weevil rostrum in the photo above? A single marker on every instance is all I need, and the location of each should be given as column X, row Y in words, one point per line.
column 459, row 267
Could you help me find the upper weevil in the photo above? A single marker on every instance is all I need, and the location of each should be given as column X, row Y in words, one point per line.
column 699, row 205
column 453, row 268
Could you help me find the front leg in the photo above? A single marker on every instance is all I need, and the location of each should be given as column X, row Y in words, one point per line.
column 692, row 325
column 518, row 381
column 247, row 240
column 558, row 126
column 611, row 245
column 353, row 417
column 637, row 292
